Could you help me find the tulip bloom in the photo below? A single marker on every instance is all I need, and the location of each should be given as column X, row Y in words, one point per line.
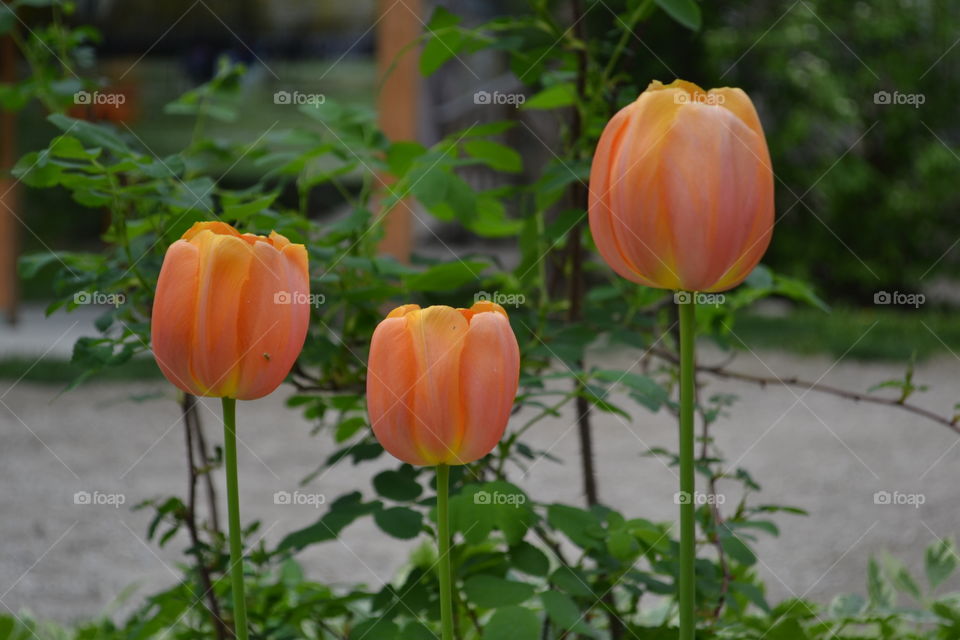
column 441, row 382
column 681, row 189
column 231, row 311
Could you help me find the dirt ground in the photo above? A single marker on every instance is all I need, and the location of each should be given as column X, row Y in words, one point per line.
column 65, row 561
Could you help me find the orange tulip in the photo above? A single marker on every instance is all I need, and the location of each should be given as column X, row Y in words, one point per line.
column 441, row 382
column 231, row 311
column 681, row 189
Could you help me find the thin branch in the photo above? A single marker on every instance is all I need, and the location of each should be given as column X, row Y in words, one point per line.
column 722, row 372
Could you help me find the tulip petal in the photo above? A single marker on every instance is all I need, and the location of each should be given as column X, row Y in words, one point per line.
column 713, row 193
column 391, row 380
column 600, row 209
column 489, row 375
column 172, row 320
column 273, row 319
column 224, row 268
column 438, row 334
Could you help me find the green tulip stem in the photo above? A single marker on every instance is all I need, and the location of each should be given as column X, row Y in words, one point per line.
column 233, row 512
column 687, row 483
column 443, row 533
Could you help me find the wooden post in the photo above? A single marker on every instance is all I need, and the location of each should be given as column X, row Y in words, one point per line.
column 398, row 25
column 9, row 188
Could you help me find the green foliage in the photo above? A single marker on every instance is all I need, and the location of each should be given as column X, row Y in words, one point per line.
column 862, row 181
column 522, row 568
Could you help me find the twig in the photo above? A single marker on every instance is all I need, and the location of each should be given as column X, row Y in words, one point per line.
column 207, row 476
column 792, row 381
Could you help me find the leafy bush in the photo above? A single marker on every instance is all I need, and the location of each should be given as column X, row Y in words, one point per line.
column 523, row 569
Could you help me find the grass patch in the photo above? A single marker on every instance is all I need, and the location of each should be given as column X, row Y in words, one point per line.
column 59, row 371
column 861, row 334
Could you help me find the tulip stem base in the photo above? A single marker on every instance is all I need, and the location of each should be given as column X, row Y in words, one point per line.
column 686, row 579
column 233, row 512
column 443, row 542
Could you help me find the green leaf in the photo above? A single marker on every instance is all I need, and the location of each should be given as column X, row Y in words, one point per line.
column 444, row 43
column 686, row 12
column 375, row 629
column 478, row 509
column 491, row 219
column 736, row 548
column 752, row 593
column 559, row 95
column 582, row 527
column 399, row 522
column 512, row 623
column 572, row 581
column 491, row 592
column 901, row 578
column 847, row 605
column 237, row 210
column 34, row 171
column 786, row 629
column 447, row 276
column 348, row 428
column 643, row 389
column 622, row 545
column 940, row 561
column 879, row 588
column 342, row 512
column 69, row 147
column 800, row 291
column 564, row 613
column 92, row 135
column 417, row 631
column 495, row 155
column 527, row 558
column 397, row 485
column 401, row 155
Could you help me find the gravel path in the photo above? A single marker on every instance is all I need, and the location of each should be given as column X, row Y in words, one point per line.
column 66, row 561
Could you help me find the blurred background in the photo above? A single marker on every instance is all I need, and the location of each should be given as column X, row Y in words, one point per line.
column 858, row 100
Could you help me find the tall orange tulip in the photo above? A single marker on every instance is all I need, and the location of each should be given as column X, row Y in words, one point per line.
column 229, row 319
column 440, row 386
column 681, row 189
column 231, row 311
column 441, row 382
